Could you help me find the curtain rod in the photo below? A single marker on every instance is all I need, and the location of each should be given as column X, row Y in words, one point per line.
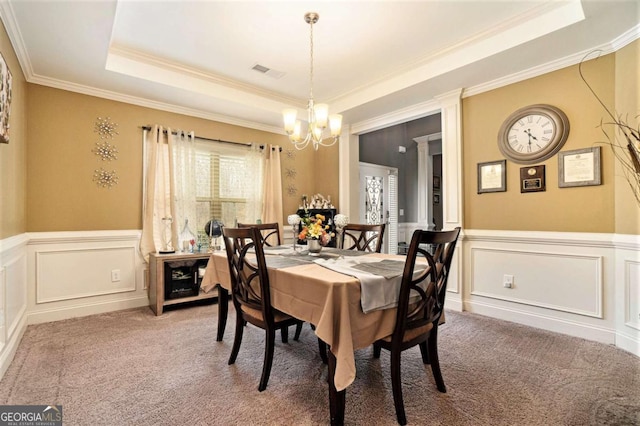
column 211, row 140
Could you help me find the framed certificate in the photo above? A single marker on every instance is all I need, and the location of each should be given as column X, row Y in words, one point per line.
column 492, row 176
column 580, row 167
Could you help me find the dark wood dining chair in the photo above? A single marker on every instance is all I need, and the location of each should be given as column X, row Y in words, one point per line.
column 420, row 307
column 251, row 293
column 270, row 233
column 362, row 237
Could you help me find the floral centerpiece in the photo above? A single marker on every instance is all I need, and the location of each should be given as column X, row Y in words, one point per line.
column 313, row 228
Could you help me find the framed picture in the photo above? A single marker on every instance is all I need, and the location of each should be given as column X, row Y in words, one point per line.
column 532, row 179
column 5, row 100
column 436, row 198
column 436, row 182
column 579, row 167
column 492, row 176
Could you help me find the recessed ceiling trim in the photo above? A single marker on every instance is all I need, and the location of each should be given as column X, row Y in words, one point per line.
column 515, row 32
column 147, row 67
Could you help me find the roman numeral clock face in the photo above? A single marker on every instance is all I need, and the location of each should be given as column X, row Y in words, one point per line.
column 533, row 134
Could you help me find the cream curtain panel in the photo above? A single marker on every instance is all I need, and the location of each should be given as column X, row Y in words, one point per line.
column 169, row 187
column 272, row 189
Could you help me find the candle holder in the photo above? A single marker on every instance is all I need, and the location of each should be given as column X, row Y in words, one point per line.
column 167, row 246
column 340, row 221
column 294, row 221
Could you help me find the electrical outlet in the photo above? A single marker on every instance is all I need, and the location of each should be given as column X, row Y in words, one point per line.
column 115, row 275
column 507, row 281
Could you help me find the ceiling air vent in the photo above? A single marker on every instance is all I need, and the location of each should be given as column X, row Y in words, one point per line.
column 267, row 71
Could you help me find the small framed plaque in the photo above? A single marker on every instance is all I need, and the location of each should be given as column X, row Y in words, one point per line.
column 580, row 167
column 532, row 179
column 492, row 176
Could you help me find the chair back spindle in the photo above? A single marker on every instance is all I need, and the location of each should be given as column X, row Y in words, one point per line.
column 363, row 237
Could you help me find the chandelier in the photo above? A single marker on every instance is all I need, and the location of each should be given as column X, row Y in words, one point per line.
column 318, row 114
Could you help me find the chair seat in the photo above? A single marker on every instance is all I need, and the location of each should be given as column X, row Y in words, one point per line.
column 412, row 333
column 278, row 316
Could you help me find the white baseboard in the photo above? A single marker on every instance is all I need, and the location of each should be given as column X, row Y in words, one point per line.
column 554, row 324
column 628, row 343
column 85, row 309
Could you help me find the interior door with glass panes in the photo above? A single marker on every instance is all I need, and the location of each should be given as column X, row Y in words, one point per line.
column 379, row 201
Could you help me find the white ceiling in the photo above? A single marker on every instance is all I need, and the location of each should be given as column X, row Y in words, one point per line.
column 372, row 58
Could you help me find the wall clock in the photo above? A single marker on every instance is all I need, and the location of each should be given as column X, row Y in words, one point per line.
column 533, row 133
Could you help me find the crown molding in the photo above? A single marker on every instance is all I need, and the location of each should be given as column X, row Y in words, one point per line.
column 13, row 31
column 143, row 102
column 403, row 115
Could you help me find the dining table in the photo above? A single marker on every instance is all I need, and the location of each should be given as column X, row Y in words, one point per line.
column 312, row 289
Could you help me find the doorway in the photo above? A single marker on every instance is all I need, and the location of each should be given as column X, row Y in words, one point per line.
column 378, row 201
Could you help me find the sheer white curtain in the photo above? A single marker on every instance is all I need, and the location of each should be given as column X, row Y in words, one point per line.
column 169, row 187
column 253, row 183
column 184, row 178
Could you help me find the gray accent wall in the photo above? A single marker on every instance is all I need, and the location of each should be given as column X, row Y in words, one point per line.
column 381, row 147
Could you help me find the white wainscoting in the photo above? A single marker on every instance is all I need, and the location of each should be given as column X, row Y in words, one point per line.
column 13, row 297
column 628, row 292
column 585, row 285
column 70, row 274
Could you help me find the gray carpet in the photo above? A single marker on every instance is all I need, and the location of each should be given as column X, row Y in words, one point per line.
column 133, row 368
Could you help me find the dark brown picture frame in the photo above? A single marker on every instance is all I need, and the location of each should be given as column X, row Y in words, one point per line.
column 496, row 170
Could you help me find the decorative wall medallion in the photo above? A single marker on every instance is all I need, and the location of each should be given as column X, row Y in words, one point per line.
column 290, row 173
column 292, row 190
column 105, row 151
column 291, row 154
column 104, row 178
column 105, row 128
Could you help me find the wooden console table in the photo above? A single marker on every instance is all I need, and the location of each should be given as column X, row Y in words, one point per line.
column 158, row 264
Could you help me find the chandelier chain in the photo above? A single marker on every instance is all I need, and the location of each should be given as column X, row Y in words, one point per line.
column 311, row 60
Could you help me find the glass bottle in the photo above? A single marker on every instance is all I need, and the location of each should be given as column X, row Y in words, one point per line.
column 187, row 238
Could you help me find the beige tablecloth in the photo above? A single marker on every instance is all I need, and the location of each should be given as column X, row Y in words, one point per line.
column 325, row 298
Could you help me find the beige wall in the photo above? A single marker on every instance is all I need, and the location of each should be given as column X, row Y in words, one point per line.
column 13, row 170
column 627, row 104
column 61, row 193
column 582, row 209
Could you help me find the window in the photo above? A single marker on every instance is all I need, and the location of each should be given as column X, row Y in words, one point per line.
column 228, row 185
column 194, row 182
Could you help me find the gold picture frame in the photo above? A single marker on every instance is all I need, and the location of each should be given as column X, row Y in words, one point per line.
column 5, row 99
